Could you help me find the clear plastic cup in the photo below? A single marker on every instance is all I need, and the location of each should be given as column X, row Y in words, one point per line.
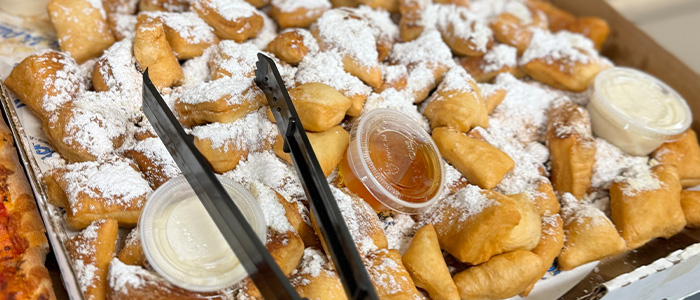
column 182, row 243
column 392, row 163
column 635, row 111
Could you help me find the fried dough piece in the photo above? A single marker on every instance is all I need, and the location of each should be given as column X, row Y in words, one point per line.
column 590, row 235
column 91, row 251
column 152, row 52
column 258, row 3
column 90, row 191
column 344, row 3
column 684, row 153
column 187, row 34
column 154, row 162
column 388, row 5
column 424, row 262
column 464, row 34
column 466, row 154
column 223, row 100
column 503, row 276
column 329, row 147
column 594, row 28
column 291, row 46
column 499, row 59
column 362, row 222
column 349, row 33
column 120, row 6
column 545, row 201
column 232, row 19
column 225, row 144
column 571, row 147
column 315, row 278
column 122, row 25
column 81, row 27
column 231, row 59
column 88, row 128
column 320, row 107
column 473, row 223
column 517, row 24
column 148, row 285
column 464, row 3
column 411, row 24
column 549, row 247
column 298, row 221
column 526, row 234
column 46, row 81
column 292, row 13
column 570, row 65
column 493, row 99
column 646, row 204
column 115, row 71
column 690, row 202
column 388, row 275
column 132, row 253
column 164, row 5
column 286, row 248
column 457, row 103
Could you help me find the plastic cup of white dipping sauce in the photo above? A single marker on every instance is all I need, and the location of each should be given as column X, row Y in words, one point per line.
column 393, row 163
column 636, row 111
column 182, row 243
column 24, row 7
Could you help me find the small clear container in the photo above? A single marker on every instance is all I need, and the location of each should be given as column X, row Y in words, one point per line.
column 182, row 243
column 392, row 163
column 635, row 111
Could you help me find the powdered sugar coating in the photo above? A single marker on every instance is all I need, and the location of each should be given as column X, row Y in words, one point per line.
column 563, row 47
column 397, row 100
column 399, row 230
column 468, row 201
column 359, row 217
column 188, row 25
column 500, row 56
column 236, row 59
column 428, row 47
column 327, row 68
column 119, row 72
column 230, row 10
column 350, row 36
column 312, row 264
column 638, row 178
column 462, row 24
column 457, row 79
column 123, row 277
column 154, row 149
column 115, row 182
column 610, row 161
column 383, row 28
column 63, row 83
column 233, row 91
column 312, row 6
column 270, row 170
column 251, row 132
column 582, row 213
column 272, row 209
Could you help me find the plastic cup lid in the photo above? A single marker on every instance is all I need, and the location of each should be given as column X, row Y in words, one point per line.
column 182, row 243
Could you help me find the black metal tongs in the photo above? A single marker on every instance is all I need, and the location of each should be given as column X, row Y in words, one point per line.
column 257, row 261
column 343, row 252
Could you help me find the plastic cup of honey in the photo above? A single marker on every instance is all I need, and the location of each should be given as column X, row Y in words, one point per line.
column 635, row 111
column 182, row 243
column 392, row 163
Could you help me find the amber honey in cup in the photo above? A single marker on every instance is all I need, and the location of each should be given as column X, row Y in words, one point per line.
column 392, row 163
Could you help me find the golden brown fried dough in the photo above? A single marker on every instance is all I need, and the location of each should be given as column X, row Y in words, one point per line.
column 329, row 147
column 154, row 162
column 411, row 24
column 232, row 19
column 290, row 46
column 38, row 82
column 389, row 5
column 164, row 5
column 424, row 262
column 503, row 276
column 291, row 13
column 132, row 253
column 684, row 153
column 457, row 103
column 690, row 202
column 493, row 99
column 300, row 225
column 91, row 250
column 646, row 204
column 319, row 106
column 590, row 235
column 388, row 275
column 509, row 28
column 549, row 247
column 317, row 284
column 80, row 189
column 594, row 28
column 545, row 200
column 571, row 147
column 571, row 66
column 466, row 153
column 286, row 248
column 81, row 27
column 153, row 52
column 225, row 144
column 223, row 100
column 499, row 59
column 472, row 224
column 187, row 34
column 526, row 234
column 258, row 3
column 463, row 33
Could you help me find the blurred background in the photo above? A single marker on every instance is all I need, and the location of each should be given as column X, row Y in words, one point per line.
column 675, row 24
